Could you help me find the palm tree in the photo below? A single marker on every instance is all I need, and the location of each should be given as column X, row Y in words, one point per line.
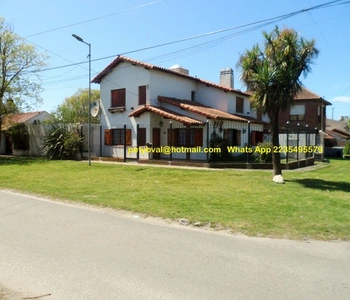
column 272, row 75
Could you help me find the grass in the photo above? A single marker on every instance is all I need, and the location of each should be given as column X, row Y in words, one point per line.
column 312, row 204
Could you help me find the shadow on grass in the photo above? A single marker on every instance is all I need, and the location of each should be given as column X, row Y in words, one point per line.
column 323, row 185
column 20, row 160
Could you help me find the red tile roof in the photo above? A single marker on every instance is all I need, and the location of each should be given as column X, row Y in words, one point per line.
column 121, row 59
column 209, row 112
column 10, row 120
column 166, row 113
column 342, row 134
column 304, row 94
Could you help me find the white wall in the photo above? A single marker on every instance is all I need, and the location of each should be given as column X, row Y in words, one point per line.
column 158, row 83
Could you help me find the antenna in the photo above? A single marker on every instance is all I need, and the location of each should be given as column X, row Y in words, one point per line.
column 94, row 108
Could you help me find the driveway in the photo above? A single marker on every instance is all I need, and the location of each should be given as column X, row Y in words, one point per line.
column 62, row 251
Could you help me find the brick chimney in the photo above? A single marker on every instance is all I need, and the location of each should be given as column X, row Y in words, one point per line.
column 226, row 78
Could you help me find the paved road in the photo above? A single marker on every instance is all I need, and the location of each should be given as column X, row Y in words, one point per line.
column 75, row 252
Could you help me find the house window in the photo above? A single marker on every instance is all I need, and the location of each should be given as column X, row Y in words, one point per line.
column 116, row 136
column 118, row 98
column 193, row 95
column 297, row 113
column 179, row 137
column 142, row 95
column 239, row 105
column 233, row 137
column 257, row 137
column 142, row 137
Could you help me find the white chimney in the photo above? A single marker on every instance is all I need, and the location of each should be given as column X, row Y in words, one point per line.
column 226, row 78
column 179, row 69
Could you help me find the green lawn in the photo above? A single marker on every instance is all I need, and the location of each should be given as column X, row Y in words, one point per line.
column 312, row 204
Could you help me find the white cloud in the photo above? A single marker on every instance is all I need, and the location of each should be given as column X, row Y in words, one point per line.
column 344, row 99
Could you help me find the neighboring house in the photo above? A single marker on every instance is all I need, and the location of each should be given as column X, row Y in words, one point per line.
column 159, row 99
column 309, row 110
column 32, row 119
column 337, row 135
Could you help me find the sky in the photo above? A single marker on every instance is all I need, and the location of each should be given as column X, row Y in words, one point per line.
column 116, row 27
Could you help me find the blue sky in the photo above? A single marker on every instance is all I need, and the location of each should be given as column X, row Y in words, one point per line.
column 121, row 26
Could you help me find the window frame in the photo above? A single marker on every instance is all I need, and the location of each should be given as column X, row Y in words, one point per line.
column 233, row 137
column 239, row 105
column 118, row 98
column 142, row 95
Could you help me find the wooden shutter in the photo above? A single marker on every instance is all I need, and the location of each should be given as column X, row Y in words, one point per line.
column 128, row 137
column 174, row 139
column 118, row 98
column 253, row 138
column 239, row 104
column 108, row 137
column 142, row 137
column 226, row 134
column 198, row 137
column 238, row 137
column 142, row 95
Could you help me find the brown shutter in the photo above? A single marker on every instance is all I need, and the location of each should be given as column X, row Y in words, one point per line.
column 128, row 137
column 142, row 95
column 259, row 137
column 198, row 137
column 118, row 98
column 238, row 138
column 142, row 137
column 226, row 134
column 253, row 138
column 108, row 137
column 175, row 134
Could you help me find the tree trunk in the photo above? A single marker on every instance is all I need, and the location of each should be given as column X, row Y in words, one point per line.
column 276, row 158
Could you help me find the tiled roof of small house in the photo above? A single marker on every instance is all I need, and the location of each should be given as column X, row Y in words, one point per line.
column 304, row 94
column 166, row 113
column 338, row 132
column 209, row 112
column 11, row 119
column 121, row 59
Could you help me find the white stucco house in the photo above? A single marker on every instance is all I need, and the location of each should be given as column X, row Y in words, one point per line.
column 36, row 132
column 168, row 107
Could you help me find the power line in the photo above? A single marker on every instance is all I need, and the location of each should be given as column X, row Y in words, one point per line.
column 262, row 22
column 97, row 18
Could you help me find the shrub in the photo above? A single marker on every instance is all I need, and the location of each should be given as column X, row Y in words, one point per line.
column 216, row 141
column 63, row 143
column 20, row 136
column 263, row 157
column 346, row 150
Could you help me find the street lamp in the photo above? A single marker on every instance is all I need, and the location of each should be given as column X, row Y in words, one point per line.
column 89, row 114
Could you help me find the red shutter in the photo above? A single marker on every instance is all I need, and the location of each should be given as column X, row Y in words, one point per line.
column 142, row 137
column 238, row 138
column 142, row 95
column 108, row 137
column 174, row 137
column 198, row 137
column 118, row 98
column 253, row 138
column 128, row 137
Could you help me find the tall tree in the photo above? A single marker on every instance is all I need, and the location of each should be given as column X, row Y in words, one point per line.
column 19, row 63
column 74, row 109
column 273, row 73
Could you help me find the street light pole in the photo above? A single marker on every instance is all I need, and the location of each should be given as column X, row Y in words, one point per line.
column 89, row 106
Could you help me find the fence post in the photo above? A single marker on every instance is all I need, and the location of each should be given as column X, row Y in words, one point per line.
column 306, row 140
column 208, row 144
column 137, row 141
column 287, row 142
column 171, row 140
column 248, row 142
column 124, row 143
column 298, row 141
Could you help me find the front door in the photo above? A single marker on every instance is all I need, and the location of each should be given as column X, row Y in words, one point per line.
column 156, row 141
